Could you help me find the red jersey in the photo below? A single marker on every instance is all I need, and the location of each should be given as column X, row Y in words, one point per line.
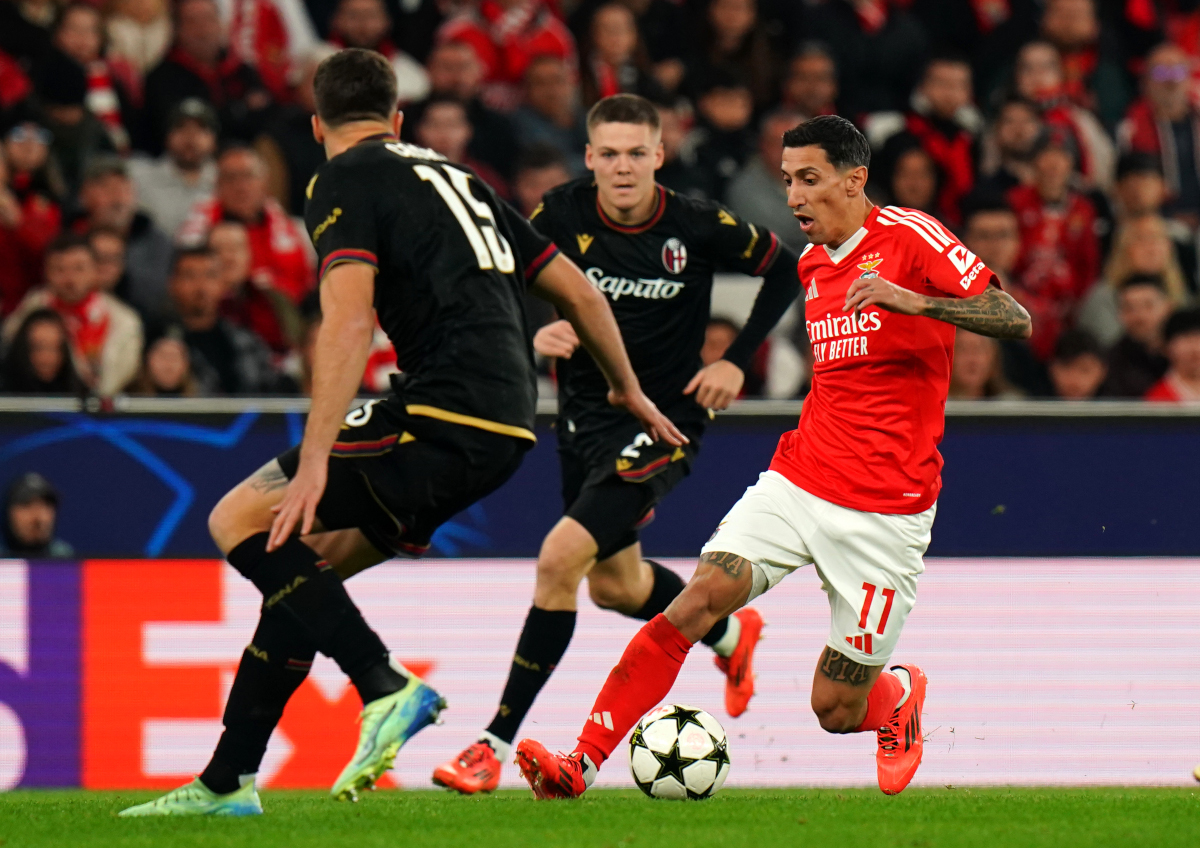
column 871, row 424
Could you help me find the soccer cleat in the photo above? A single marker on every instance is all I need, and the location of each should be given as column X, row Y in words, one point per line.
column 386, row 724
column 900, row 741
column 738, row 667
column 196, row 799
column 474, row 770
column 550, row 775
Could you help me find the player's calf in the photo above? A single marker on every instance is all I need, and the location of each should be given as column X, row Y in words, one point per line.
column 841, row 691
column 719, row 587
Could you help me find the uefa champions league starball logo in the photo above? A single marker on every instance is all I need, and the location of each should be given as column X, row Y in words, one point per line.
column 674, row 255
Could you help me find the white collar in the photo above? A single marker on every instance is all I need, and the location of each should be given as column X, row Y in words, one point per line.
column 848, row 246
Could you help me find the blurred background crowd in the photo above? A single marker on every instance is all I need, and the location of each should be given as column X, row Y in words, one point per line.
column 154, row 156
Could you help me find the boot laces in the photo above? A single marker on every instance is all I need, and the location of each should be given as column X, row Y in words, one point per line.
column 889, row 737
column 474, row 755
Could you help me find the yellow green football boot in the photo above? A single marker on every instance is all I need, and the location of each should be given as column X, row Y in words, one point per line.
column 196, row 799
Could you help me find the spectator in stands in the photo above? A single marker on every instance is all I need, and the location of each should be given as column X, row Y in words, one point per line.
column 757, row 192
column 944, row 122
column 455, row 70
column 723, row 137
column 1039, row 77
column 108, row 249
column 732, row 39
column 443, row 127
column 25, row 29
column 31, row 167
column 614, row 59
column 810, row 86
column 1182, row 339
column 79, row 34
column 540, row 168
column 662, row 27
column 139, row 31
column 366, row 23
column 77, row 136
column 1136, row 362
column 1165, row 122
column 681, row 169
column 38, row 361
column 879, row 49
column 1060, row 253
column 249, row 302
column 913, row 179
column 109, row 200
column 1008, row 145
column 26, row 226
column 1140, row 190
column 226, row 359
column 551, row 113
column 105, row 334
column 1077, row 368
column 199, row 65
column 30, row 520
column 507, row 35
column 1093, row 76
column 270, row 36
column 169, row 186
column 1142, row 246
column 287, row 146
column 278, row 246
column 166, row 371
column 978, row 372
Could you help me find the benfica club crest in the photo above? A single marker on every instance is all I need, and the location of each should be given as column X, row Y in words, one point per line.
column 674, row 255
column 868, row 269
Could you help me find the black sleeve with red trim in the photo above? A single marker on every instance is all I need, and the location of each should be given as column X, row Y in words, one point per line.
column 340, row 217
column 534, row 251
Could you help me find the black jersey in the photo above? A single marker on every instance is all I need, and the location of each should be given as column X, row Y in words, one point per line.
column 452, row 265
column 658, row 277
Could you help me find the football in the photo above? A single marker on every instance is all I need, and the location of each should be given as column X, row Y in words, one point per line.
column 678, row 752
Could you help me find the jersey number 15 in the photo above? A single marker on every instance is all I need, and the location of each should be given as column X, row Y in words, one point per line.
column 491, row 248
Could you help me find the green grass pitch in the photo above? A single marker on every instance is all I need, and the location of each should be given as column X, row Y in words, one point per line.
column 829, row 818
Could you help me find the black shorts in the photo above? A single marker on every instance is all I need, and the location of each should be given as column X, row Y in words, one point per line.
column 398, row 477
column 611, row 486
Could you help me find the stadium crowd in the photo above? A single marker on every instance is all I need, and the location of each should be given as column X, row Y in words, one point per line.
column 154, row 156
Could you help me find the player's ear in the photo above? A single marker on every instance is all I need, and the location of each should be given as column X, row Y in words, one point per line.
column 660, row 156
column 397, row 122
column 587, row 156
column 856, row 181
column 318, row 130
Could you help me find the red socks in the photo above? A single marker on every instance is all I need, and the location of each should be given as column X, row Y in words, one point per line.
column 881, row 701
column 638, row 683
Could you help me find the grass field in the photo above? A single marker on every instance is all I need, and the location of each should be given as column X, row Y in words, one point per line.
column 995, row 818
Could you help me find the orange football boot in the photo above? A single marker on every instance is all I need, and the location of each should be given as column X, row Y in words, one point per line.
column 550, row 775
column 900, row 742
column 474, row 770
column 738, row 667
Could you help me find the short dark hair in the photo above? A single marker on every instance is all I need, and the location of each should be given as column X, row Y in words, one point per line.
column 355, row 85
column 1155, row 280
column 983, row 202
column 1136, row 162
column 540, row 156
column 624, row 109
column 1074, row 344
column 67, row 242
column 843, row 144
column 195, row 251
column 1182, row 322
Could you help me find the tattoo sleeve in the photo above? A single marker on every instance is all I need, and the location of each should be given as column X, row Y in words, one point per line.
column 841, row 669
column 731, row 564
column 268, row 478
column 992, row 313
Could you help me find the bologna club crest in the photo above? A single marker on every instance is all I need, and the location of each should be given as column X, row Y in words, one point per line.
column 674, row 255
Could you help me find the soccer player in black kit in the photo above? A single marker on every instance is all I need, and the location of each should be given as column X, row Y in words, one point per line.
column 404, row 234
column 653, row 254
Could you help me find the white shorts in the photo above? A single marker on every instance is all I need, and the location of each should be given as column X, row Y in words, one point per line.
column 868, row 562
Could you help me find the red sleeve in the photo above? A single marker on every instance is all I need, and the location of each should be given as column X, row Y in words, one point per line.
column 946, row 264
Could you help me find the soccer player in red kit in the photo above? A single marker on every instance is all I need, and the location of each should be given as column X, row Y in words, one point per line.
column 853, row 489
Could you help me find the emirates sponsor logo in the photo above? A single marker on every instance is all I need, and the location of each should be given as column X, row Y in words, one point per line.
column 619, row 287
column 834, row 326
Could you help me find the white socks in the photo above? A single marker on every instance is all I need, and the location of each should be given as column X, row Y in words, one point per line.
column 727, row 643
column 502, row 748
column 905, row 680
column 589, row 770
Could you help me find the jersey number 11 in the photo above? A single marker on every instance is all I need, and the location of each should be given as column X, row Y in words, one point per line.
column 491, row 248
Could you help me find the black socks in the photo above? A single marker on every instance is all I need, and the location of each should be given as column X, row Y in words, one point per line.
column 293, row 579
column 273, row 666
column 543, row 642
column 667, row 585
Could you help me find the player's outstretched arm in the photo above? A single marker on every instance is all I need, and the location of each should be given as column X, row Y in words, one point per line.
column 992, row 312
column 340, row 356
column 563, row 284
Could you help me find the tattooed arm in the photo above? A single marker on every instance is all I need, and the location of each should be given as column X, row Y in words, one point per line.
column 990, row 313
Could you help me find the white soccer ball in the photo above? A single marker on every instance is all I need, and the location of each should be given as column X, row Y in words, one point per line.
column 678, row 752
